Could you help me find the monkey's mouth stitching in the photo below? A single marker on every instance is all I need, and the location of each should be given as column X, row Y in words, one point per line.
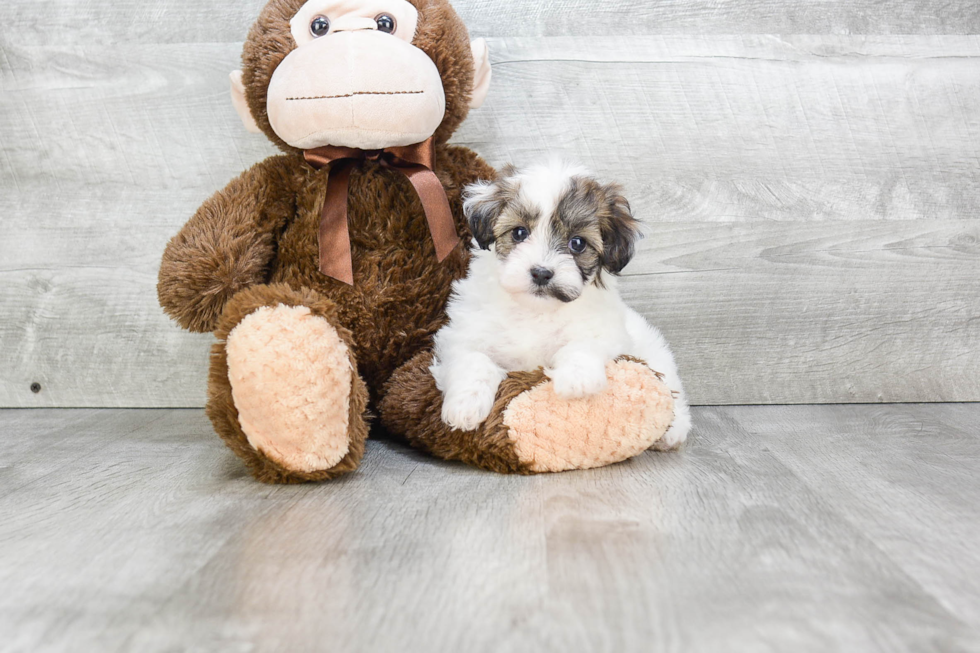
column 334, row 97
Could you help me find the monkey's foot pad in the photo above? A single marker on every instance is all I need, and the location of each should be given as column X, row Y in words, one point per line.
column 551, row 434
column 291, row 380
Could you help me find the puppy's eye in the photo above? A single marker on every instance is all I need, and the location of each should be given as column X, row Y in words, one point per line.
column 320, row 26
column 577, row 245
column 521, row 234
column 385, row 23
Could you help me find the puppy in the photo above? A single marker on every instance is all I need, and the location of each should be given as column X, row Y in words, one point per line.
column 541, row 292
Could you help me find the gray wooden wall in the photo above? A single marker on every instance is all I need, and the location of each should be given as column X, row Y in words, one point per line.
column 809, row 171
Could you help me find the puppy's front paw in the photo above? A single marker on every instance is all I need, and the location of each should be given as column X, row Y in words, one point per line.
column 575, row 380
column 467, row 409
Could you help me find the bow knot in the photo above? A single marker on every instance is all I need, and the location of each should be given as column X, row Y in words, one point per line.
column 416, row 162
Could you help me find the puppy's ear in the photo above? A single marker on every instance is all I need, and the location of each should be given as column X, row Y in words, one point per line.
column 482, row 204
column 620, row 230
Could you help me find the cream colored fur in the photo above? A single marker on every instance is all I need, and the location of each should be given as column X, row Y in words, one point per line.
column 554, row 435
column 378, row 90
column 291, row 378
column 363, row 89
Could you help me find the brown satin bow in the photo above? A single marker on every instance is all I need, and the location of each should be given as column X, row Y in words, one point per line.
column 416, row 162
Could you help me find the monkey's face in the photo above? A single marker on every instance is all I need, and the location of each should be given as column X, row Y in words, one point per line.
column 355, row 78
column 358, row 73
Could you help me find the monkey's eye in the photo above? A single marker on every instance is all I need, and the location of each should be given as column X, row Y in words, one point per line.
column 320, row 26
column 577, row 245
column 521, row 234
column 385, row 23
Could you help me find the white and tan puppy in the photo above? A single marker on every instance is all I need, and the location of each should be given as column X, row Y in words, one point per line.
column 541, row 293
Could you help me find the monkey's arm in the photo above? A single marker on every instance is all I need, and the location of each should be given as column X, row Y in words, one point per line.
column 228, row 245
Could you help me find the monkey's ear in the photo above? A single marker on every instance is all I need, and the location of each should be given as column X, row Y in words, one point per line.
column 481, row 73
column 241, row 106
column 620, row 230
column 482, row 205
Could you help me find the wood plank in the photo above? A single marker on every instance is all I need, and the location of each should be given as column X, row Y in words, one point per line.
column 892, row 471
column 855, row 308
column 158, row 542
column 187, row 21
column 784, row 313
column 37, row 445
column 739, row 108
column 777, row 162
column 631, row 17
column 89, row 347
column 771, row 126
column 157, row 496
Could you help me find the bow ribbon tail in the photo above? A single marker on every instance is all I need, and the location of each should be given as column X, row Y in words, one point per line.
column 416, row 162
column 334, row 236
column 438, row 214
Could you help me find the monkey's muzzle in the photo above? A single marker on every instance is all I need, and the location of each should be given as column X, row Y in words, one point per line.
column 360, row 89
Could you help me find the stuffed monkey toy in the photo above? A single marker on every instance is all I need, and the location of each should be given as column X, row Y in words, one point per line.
column 325, row 271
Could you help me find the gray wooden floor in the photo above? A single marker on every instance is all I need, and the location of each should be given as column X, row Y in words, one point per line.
column 777, row 529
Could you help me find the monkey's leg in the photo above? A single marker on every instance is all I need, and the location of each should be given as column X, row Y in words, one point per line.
column 283, row 391
column 530, row 428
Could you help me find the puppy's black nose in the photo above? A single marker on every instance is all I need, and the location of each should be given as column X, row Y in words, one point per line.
column 541, row 276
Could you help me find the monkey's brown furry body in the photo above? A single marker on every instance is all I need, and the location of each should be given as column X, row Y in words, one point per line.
column 246, row 267
column 268, row 253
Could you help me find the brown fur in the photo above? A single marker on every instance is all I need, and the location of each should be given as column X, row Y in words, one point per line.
column 413, row 405
column 619, row 229
column 391, row 313
column 440, row 34
column 400, row 291
column 254, row 243
column 228, row 244
column 221, row 407
column 598, row 213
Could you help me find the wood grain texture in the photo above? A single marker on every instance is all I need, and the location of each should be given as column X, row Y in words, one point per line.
column 846, row 110
column 915, row 489
column 794, row 127
column 812, row 200
column 858, row 311
column 775, row 528
column 778, row 313
column 192, row 21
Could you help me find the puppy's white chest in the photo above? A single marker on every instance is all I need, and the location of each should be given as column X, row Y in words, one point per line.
column 528, row 342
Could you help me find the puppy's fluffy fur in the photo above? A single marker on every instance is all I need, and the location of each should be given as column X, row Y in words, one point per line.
column 541, row 292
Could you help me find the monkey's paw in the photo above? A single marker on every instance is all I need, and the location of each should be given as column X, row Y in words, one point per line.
column 552, row 434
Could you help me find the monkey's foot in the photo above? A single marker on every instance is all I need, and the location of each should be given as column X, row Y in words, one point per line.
column 291, row 377
column 551, row 434
column 530, row 428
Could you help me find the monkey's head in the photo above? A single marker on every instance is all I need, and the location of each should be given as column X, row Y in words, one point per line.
column 368, row 74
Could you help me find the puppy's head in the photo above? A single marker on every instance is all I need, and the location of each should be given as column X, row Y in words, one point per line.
column 554, row 229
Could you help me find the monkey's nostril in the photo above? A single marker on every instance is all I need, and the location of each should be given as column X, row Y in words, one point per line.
column 541, row 276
